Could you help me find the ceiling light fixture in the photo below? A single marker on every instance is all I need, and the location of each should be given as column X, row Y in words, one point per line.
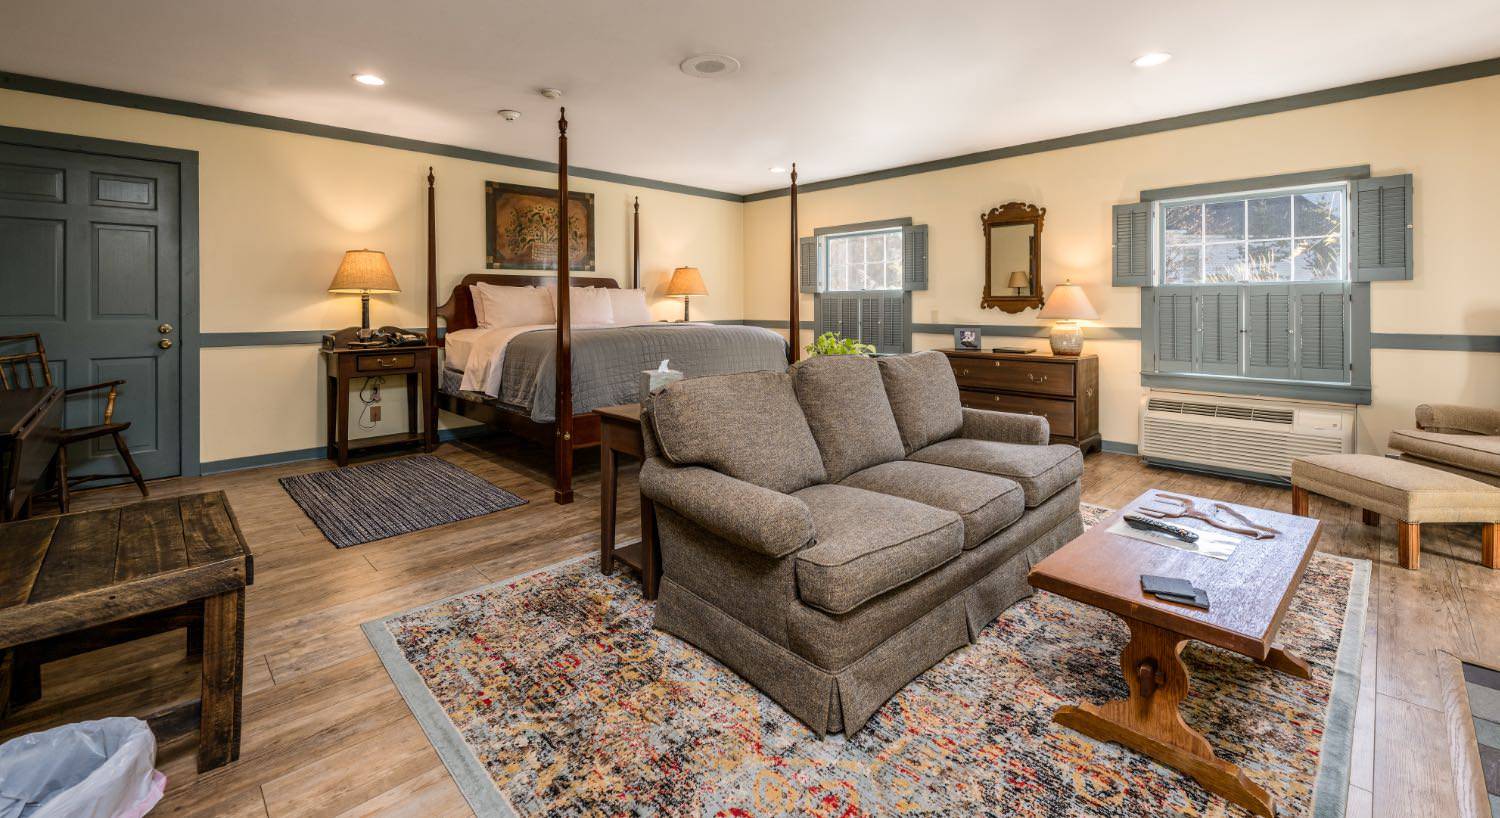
column 709, row 65
column 549, row 93
column 1151, row 59
column 369, row 79
column 509, row 114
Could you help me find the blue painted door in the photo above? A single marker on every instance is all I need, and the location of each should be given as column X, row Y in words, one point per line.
column 90, row 257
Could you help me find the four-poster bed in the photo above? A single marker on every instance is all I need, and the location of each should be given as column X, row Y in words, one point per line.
column 542, row 382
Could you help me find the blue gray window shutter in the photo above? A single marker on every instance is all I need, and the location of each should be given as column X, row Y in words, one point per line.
column 885, row 320
column 1216, row 336
column 1322, row 315
column 809, row 273
column 914, row 257
column 1132, row 245
column 1268, row 314
column 1383, row 229
column 826, row 313
column 1174, row 329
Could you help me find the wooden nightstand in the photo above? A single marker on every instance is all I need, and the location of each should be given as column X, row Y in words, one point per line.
column 620, row 433
column 417, row 363
column 1064, row 389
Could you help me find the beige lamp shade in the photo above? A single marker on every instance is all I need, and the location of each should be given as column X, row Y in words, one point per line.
column 686, row 281
column 364, row 271
column 1068, row 303
column 1020, row 279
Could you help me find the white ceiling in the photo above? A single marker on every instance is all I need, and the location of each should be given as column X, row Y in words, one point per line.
column 839, row 86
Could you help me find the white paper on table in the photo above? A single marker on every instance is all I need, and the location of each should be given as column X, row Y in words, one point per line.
column 1211, row 543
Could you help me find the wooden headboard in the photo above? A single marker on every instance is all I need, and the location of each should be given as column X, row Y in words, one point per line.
column 458, row 310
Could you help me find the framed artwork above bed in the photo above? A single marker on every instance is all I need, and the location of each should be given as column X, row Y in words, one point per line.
column 521, row 228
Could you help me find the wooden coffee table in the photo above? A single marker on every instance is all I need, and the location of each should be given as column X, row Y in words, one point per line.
column 1248, row 596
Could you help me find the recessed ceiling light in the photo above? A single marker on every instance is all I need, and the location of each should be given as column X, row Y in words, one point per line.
column 709, row 65
column 777, row 169
column 1151, row 58
column 368, row 79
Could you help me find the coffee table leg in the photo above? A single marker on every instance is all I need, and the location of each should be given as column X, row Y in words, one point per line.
column 1148, row 722
column 1287, row 662
column 223, row 663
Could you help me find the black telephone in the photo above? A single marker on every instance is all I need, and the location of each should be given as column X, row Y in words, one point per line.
column 387, row 336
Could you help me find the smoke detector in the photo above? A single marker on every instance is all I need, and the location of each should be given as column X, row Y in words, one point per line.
column 509, row 114
column 709, row 65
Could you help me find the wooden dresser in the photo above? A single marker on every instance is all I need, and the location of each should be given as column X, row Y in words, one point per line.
column 1063, row 389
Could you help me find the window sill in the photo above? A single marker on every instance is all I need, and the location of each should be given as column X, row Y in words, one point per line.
column 1259, row 387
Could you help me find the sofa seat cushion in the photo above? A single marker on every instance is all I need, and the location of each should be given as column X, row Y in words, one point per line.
column 986, row 503
column 844, row 401
column 747, row 425
column 1479, row 453
column 869, row 543
column 1041, row 471
column 924, row 397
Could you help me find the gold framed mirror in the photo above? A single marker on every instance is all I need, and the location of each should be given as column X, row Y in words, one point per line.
column 1013, row 257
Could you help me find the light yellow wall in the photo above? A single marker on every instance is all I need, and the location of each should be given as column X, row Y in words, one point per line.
column 277, row 210
column 1445, row 135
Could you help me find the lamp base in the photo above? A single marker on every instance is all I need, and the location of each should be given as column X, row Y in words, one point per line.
column 1066, row 338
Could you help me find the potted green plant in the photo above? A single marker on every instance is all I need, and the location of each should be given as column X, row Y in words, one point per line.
column 829, row 343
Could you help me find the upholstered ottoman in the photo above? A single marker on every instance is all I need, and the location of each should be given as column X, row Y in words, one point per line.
column 1406, row 492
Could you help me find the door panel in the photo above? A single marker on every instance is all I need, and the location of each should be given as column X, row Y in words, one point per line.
column 90, row 257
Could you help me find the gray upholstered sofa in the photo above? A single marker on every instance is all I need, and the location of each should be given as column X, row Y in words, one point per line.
column 831, row 532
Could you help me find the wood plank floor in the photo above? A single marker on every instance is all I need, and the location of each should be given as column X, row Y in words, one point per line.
column 325, row 732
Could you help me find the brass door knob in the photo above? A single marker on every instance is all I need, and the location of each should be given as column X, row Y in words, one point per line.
column 165, row 343
column 164, row 329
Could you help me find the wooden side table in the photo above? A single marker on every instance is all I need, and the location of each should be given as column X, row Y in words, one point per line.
column 82, row 581
column 344, row 365
column 620, row 433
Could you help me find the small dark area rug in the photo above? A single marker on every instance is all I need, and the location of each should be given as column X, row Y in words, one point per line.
column 550, row 694
column 360, row 504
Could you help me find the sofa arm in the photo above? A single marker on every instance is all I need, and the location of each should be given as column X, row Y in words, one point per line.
column 1451, row 418
column 762, row 520
column 1005, row 427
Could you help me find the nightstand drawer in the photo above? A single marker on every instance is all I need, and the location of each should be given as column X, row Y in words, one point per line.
column 378, row 363
column 1037, row 377
column 1059, row 413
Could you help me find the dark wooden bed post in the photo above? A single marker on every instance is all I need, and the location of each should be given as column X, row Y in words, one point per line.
column 562, row 476
column 430, row 409
column 794, row 328
column 635, row 248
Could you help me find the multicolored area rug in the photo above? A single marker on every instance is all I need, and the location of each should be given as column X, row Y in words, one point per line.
column 550, row 694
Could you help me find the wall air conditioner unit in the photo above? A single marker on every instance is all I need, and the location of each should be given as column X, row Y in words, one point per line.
column 1250, row 437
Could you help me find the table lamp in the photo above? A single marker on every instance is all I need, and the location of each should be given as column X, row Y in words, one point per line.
column 1068, row 305
column 686, row 282
column 1020, row 280
column 364, row 272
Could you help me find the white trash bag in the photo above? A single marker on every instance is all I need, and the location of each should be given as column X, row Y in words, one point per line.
column 92, row 769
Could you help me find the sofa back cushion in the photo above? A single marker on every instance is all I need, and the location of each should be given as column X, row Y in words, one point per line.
column 746, row 425
column 924, row 397
column 844, row 401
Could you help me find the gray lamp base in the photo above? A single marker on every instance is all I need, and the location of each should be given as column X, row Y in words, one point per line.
column 1066, row 338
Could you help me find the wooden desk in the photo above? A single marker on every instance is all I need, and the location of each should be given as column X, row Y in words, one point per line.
column 342, row 366
column 620, row 433
column 1248, row 595
column 30, row 430
column 83, row 581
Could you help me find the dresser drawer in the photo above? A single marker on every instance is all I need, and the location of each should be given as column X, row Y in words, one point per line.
column 1039, row 377
column 378, row 363
column 1059, row 413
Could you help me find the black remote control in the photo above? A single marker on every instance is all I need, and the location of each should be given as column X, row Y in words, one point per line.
column 1148, row 524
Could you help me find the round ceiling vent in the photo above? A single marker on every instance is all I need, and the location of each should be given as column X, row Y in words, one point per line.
column 709, row 65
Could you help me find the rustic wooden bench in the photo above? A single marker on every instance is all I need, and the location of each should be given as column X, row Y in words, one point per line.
column 82, row 581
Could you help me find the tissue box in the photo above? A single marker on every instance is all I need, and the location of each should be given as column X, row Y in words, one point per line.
column 654, row 380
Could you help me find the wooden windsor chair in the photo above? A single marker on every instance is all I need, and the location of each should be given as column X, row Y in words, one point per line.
column 29, row 370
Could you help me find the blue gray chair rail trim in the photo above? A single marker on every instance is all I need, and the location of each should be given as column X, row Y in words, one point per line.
column 1378, row 340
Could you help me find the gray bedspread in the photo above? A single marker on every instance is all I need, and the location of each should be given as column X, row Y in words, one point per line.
column 607, row 363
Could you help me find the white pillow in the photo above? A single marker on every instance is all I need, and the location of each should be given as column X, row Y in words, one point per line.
column 514, row 306
column 586, row 305
column 478, row 306
column 629, row 306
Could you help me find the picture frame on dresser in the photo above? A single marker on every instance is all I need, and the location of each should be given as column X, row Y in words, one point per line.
column 1064, row 389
